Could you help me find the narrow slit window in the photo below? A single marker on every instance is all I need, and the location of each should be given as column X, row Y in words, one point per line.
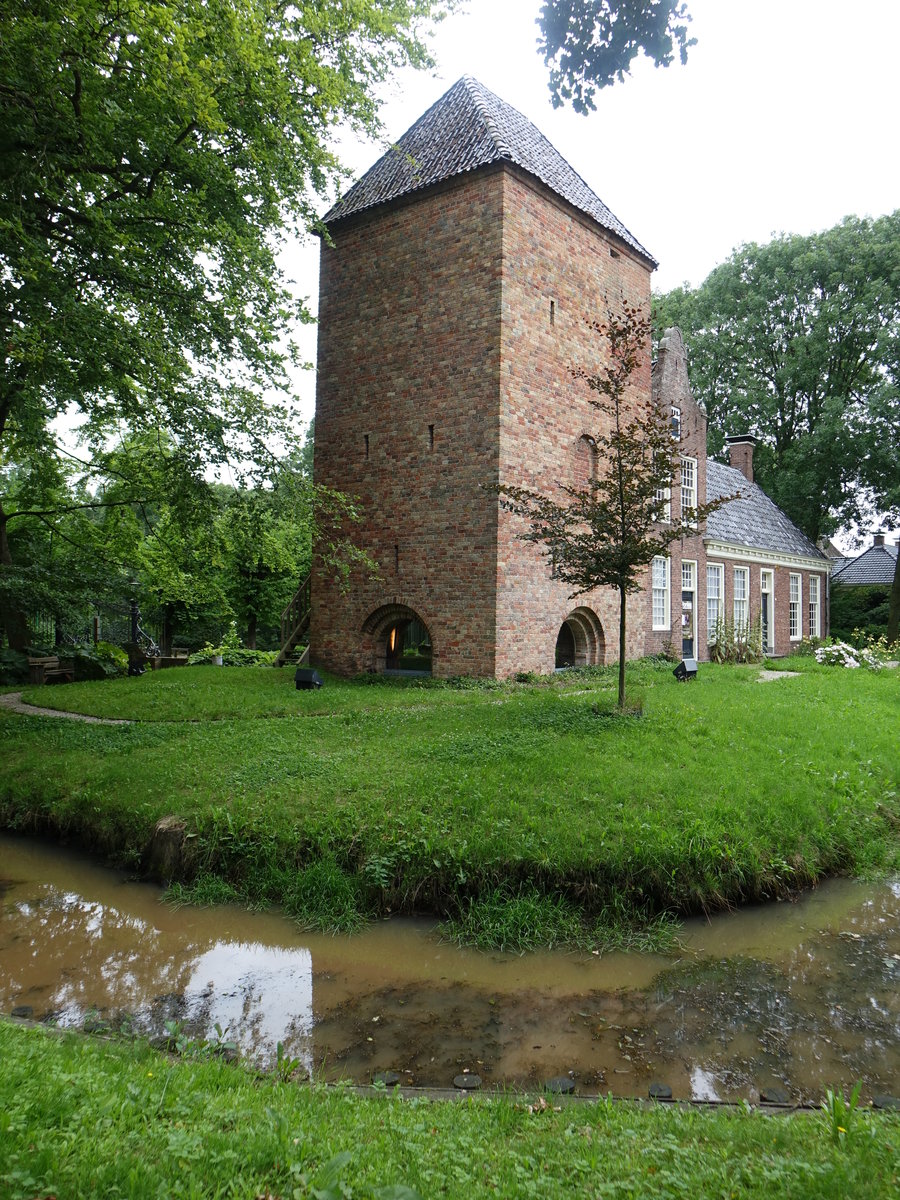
column 366, row 441
column 430, row 437
column 552, row 312
column 397, row 559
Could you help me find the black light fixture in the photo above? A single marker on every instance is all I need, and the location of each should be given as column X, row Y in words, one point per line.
column 686, row 669
column 306, row 679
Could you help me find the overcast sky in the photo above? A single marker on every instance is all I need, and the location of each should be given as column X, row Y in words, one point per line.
column 784, row 120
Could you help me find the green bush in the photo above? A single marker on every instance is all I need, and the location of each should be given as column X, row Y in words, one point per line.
column 13, row 667
column 233, row 656
column 103, row 661
column 859, row 607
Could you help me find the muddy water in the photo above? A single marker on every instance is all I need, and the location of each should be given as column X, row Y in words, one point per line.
column 799, row 996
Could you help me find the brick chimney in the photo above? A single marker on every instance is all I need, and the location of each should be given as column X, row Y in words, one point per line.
column 740, row 452
column 877, row 539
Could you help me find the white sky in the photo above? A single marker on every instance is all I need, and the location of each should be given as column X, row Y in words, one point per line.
column 783, row 120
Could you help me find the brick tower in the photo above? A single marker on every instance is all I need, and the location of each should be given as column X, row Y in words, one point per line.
column 453, row 294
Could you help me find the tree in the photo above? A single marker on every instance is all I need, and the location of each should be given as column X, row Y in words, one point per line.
column 797, row 343
column 152, row 153
column 589, row 44
column 606, row 533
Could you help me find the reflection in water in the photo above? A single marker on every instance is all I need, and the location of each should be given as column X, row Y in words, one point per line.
column 802, row 995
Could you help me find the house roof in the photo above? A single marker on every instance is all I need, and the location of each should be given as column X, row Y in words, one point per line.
column 470, row 127
column 752, row 519
column 875, row 565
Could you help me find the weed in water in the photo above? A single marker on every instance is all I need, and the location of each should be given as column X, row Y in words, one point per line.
column 839, row 1113
column 324, row 897
column 518, row 920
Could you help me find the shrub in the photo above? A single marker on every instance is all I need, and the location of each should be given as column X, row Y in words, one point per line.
column 840, row 654
column 13, row 666
column 232, row 656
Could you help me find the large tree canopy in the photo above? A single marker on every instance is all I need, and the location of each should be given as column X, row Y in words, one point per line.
column 798, row 342
column 151, row 152
column 589, row 44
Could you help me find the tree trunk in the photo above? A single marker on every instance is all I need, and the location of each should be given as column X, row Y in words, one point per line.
column 167, row 633
column 893, row 626
column 252, row 622
column 12, row 619
column 621, row 647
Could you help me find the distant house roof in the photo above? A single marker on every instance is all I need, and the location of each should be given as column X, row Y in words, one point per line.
column 752, row 520
column 875, row 565
column 470, row 127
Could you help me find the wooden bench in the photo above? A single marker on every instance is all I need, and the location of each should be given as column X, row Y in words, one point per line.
column 50, row 667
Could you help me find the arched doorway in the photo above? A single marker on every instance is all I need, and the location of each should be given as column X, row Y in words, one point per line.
column 401, row 641
column 580, row 641
column 565, row 647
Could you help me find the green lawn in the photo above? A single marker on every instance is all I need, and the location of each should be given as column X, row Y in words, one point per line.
column 84, row 1119
column 470, row 801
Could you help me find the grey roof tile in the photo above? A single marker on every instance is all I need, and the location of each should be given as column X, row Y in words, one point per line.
column 873, row 566
column 752, row 520
column 470, row 127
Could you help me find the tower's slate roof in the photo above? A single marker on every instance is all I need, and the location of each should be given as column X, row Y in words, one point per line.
column 875, row 565
column 752, row 520
column 470, row 127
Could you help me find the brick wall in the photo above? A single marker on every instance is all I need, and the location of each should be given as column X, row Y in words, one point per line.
column 441, row 371
column 558, row 269
column 406, row 420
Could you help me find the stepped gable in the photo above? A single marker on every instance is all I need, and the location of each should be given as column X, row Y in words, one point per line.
column 470, row 127
column 752, row 519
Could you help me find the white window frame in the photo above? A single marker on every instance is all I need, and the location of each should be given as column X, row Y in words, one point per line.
column 688, row 489
column 741, row 603
column 664, row 499
column 795, row 607
column 660, row 593
column 715, row 601
column 767, row 588
column 815, row 606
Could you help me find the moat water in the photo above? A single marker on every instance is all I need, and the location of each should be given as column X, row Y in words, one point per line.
column 800, row 996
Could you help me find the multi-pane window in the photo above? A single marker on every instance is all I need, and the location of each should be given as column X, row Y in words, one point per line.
column 660, row 592
column 688, row 488
column 815, row 620
column 796, row 598
column 663, row 504
column 714, row 590
column 688, row 575
column 767, row 609
column 741, row 601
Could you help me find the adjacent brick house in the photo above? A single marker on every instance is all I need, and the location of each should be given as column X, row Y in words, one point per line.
column 750, row 567
column 453, row 293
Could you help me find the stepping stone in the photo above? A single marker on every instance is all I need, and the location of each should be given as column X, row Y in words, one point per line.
column 659, row 1091
column 562, row 1085
column 774, row 1095
column 386, row 1078
column 467, row 1083
column 23, row 1011
column 886, row 1102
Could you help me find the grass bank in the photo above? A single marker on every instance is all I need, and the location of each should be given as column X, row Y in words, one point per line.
column 527, row 813
column 81, row 1119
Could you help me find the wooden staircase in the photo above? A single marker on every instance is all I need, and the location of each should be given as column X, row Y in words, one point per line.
column 294, row 623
